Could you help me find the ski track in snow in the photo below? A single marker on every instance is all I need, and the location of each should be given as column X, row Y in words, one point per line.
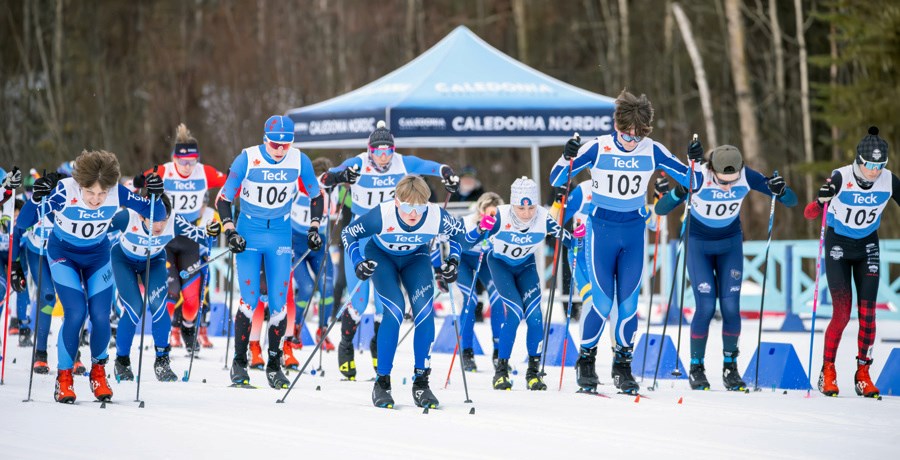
column 211, row 420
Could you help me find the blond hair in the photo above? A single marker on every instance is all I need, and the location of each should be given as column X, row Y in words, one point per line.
column 96, row 166
column 485, row 201
column 633, row 112
column 413, row 190
column 183, row 135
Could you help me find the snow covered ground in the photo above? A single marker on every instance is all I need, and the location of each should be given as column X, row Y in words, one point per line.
column 326, row 416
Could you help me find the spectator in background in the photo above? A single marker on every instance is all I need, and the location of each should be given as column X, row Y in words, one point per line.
column 469, row 186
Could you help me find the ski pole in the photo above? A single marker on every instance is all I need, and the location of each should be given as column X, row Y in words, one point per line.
column 562, row 366
column 40, row 279
column 812, row 329
column 465, row 307
column 229, row 301
column 677, row 372
column 12, row 225
column 650, row 305
column 187, row 376
column 456, row 328
column 562, row 214
column 147, row 289
column 318, row 345
column 185, row 274
column 762, row 299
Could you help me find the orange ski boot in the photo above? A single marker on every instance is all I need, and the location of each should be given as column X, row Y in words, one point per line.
column 175, row 340
column 65, row 393
column 204, row 338
column 828, row 380
column 326, row 345
column 99, row 385
column 287, row 357
column 864, row 385
column 256, row 361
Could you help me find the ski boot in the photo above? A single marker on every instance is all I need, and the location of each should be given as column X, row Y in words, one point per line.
column 287, row 353
column 621, row 371
column 864, row 385
column 64, row 393
column 296, row 340
column 239, row 375
column 731, row 376
column 25, row 337
column 175, row 340
column 274, row 375
column 422, row 394
column 99, row 385
column 533, row 374
column 501, row 375
column 381, row 392
column 78, row 368
column 40, row 362
column 697, row 377
column 326, row 345
column 586, row 371
column 14, row 326
column 467, row 359
column 189, row 335
column 256, row 361
column 828, row 380
column 122, row 368
column 161, row 366
column 204, row 338
column 346, row 364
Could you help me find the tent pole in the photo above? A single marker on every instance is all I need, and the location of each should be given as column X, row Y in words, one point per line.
column 536, row 176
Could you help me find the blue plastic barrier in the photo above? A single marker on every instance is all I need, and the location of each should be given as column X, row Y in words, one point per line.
column 667, row 364
column 780, row 367
column 445, row 342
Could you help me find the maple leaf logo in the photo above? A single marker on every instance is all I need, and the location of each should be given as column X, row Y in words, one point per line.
column 368, row 169
column 134, row 228
column 606, row 148
column 256, row 162
column 74, row 201
column 508, row 226
column 247, row 282
column 849, row 184
column 390, row 229
column 708, row 183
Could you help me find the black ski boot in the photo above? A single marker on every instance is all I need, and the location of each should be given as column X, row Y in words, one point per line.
column 731, row 377
column 346, row 364
column 422, row 394
column 381, row 392
column 467, row 358
column 495, row 358
column 533, row 374
column 239, row 375
column 621, row 371
column 373, row 347
column 189, row 336
column 501, row 376
column 41, row 365
column 123, row 368
column 276, row 378
column 698, row 378
column 586, row 371
column 25, row 337
column 161, row 366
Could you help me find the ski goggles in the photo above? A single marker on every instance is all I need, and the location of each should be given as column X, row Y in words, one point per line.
column 874, row 165
column 381, row 151
column 187, row 161
column 407, row 208
column 278, row 145
column 629, row 138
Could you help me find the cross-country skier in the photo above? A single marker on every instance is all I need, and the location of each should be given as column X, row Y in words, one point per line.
column 267, row 176
column 856, row 195
column 519, row 230
column 621, row 165
column 401, row 231
column 82, row 207
column 486, row 205
column 187, row 182
column 715, row 258
column 374, row 174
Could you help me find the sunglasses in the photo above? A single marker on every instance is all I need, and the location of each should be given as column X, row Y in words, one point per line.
column 278, row 145
column 874, row 165
column 186, row 162
column 407, row 208
column 720, row 181
column 381, row 151
column 629, row 138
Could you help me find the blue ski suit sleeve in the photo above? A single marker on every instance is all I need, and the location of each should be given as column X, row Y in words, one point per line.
column 119, row 222
column 573, row 203
column 586, row 157
column 422, row 167
column 236, row 174
column 759, row 183
column 141, row 205
column 364, row 226
column 667, row 163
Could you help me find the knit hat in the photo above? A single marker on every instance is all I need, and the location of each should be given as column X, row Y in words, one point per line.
column 524, row 192
column 280, row 128
column 382, row 136
column 872, row 148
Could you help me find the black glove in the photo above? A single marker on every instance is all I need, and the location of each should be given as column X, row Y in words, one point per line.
column 450, row 180
column 450, row 270
column 17, row 275
column 13, row 179
column 236, row 242
column 138, row 181
column 154, row 184
column 439, row 279
column 826, row 193
column 44, row 186
column 213, row 229
column 572, row 148
column 313, row 239
column 695, row 150
column 365, row 269
column 349, row 175
column 776, row 185
column 661, row 186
